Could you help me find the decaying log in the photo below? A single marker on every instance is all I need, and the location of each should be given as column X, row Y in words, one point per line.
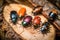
column 27, row 33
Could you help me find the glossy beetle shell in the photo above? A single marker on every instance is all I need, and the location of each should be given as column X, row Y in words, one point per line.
column 27, row 20
column 22, row 12
column 24, row 23
column 36, row 20
column 14, row 16
column 52, row 15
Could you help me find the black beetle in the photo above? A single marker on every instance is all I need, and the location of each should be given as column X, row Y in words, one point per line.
column 13, row 16
column 52, row 16
column 45, row 27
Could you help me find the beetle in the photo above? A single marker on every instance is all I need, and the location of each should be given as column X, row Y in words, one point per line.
column 53, row 14
column 27, row 20
column 22, row 12
column 36, row 21
column 13, row 16
column 37, row 10
column 45, row 27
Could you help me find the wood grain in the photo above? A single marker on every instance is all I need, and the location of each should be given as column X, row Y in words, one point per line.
column 27, row 33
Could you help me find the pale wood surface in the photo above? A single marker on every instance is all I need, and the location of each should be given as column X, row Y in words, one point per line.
column 27, row 33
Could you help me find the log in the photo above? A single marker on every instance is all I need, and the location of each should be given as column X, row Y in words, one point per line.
column 28, row 33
